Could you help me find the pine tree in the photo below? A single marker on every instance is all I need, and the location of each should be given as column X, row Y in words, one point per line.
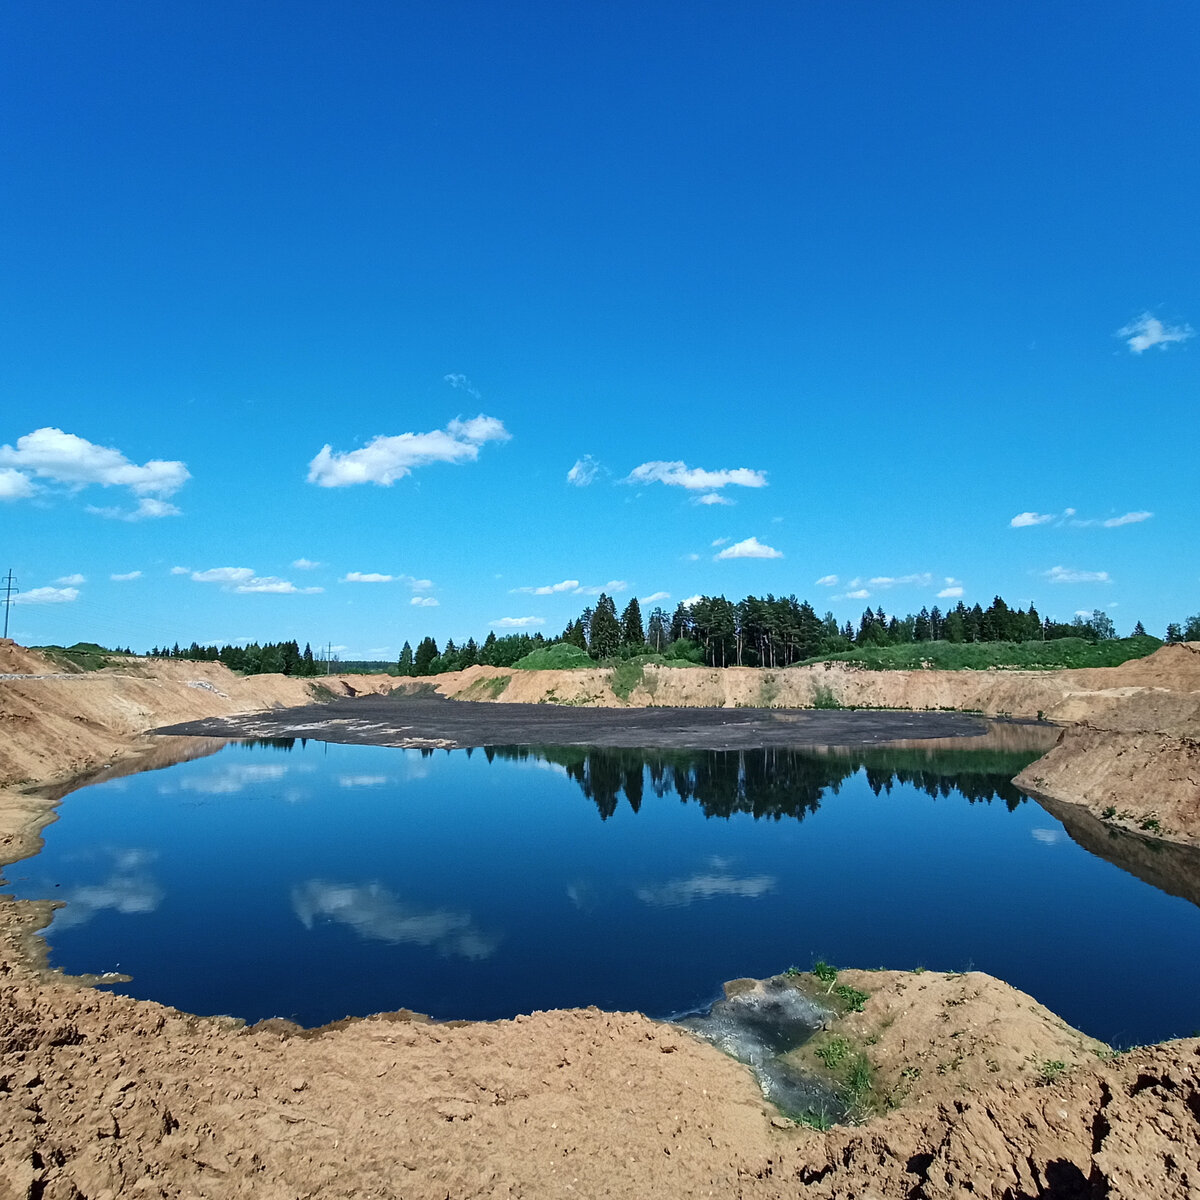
column 633, row 636
column 427, row 651
column 605, row 630
column 405, row 662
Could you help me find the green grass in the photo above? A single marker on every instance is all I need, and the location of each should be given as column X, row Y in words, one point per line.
column 1059, row 654
column 823, row 697
column 86, row 656
column 627, row 675
column 487, row 689
column 561, row 656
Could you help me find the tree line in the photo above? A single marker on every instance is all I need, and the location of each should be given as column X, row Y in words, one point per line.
column 271, row 658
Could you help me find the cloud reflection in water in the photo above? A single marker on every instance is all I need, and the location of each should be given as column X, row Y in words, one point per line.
column 375, row 912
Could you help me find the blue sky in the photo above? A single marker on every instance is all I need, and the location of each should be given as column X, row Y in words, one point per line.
column 806, row 290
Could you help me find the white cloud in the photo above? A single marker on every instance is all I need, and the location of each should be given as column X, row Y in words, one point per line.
column 613, row 585
column 547, row 589
column 306, row 564
column 424, row 601
column 827, row 581
column 585, row 471
column 857, row 594
column 1025, row 519
column 718, row 542
column 517, row 622
column 691, row 558
column 950, row 593
column 47, row 595
column 385, row 459
column 1130, row 518
column 1068, row 575
column 147, row 509
column 924, row 579
column 713, row 498
column 72, row 580
column 695, row 479
column 367, row 577
column 224, row 575
column 126, row 577
column 274, row 586
column 691, row 600
column 417, row 585
column 181, row 570
column 1083, row 612
column 74, row 462
column 1147, row 330
column 654, row 597
column 462, row 383
column 14, row 485
column 750, row 548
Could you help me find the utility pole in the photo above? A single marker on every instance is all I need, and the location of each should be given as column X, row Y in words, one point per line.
column 10, row 590
column 328, row 657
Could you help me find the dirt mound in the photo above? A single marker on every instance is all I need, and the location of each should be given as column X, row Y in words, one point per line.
column 18, row 660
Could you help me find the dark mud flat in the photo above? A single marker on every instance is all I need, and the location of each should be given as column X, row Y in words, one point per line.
column 425, row 720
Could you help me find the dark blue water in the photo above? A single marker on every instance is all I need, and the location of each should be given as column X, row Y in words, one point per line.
column 320, row 881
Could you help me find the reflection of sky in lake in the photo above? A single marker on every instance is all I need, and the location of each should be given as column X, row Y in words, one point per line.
column 318, row 881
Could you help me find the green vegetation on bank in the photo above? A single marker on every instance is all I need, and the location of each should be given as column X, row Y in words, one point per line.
column 1059, row 654
column 85, row 656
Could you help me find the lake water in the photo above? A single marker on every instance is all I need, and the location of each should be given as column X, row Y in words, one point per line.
column 312, row 881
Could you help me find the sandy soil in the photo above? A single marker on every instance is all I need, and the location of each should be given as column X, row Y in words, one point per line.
column 104, row 1096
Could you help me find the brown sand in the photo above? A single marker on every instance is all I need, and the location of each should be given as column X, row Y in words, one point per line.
column 104, row 1096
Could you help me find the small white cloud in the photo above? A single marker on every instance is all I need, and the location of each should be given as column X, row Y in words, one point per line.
column 1068, row 575
column 72, row 580
column 547, row 589
column 181, row 570
column 367, row 577
column 148, row 509
column 274, row 586
column 462, row 383
column 691, row 600
column 718, row 542
column 827, row 581
column 613, row 585
column 417, row 585
column 585, row 472
column 424, row 601
column 1083, row 612
column 14, row 485
column 691, row 558
column 950, row 593
column 126, row 577
column 47, row 595
column 654, row 597
column 306, row 564
column 713, row 498
column 1025, row 519
column 750, row 548
column 517, row 622
column 857, row 594
column 385, row 459
column 224, row 575
column 1130, row 518
column 1147, row 330
column 696, row 479
column 924, row 579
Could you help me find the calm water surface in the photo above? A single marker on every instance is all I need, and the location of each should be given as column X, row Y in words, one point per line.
column 314, row 881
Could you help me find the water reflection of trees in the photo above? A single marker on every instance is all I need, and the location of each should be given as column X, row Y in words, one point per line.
column 769, row 783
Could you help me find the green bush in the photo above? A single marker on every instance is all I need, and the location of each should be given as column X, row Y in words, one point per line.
column 1057, row 654
column 561, row 656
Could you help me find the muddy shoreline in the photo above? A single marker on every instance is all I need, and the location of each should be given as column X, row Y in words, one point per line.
column 414, row 719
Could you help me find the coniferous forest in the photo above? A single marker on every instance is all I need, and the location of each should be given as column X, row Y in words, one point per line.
column 713, row 631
